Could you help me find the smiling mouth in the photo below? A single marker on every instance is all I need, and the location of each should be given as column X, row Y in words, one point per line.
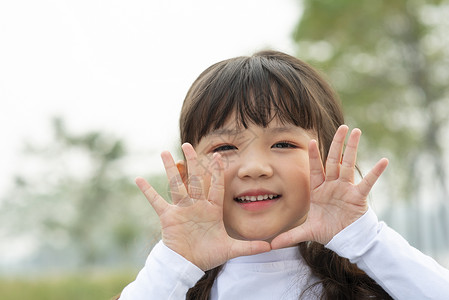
column 249, row 199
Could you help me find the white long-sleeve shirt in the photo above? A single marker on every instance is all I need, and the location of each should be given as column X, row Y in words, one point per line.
column 403, row 271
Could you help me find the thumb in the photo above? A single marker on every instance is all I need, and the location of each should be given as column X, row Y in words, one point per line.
column 290, row 238
column 243, row 248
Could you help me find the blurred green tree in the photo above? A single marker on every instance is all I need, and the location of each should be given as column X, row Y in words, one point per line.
column 389, row 61
column 77, row 205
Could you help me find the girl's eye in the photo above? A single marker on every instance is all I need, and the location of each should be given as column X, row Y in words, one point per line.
column 224, row 148
column 284, row 145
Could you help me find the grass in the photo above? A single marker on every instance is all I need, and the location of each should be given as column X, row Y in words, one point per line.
column 67, row 286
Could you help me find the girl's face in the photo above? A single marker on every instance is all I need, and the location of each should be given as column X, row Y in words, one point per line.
column 266, row 177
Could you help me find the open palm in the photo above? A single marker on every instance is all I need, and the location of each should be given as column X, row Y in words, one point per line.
column 336, row 201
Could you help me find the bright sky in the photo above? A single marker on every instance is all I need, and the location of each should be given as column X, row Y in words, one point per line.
column 123, row 67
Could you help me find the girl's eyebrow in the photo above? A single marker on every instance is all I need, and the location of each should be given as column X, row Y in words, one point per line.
column 286, row 129
column 224, row 131
column 236, row 131
column 282, row 129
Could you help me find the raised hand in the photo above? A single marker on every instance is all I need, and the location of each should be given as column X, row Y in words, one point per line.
column 335, row 200
column 193, row 225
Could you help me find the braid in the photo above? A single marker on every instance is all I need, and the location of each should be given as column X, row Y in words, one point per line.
column 201, row 290
column 339, row 278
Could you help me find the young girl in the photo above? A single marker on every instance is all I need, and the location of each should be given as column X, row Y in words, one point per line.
column 256, row 214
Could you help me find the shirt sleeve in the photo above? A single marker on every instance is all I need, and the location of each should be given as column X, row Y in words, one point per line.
column 401, row 270
column 166, row 275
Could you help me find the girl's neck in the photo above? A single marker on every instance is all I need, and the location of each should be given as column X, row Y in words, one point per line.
column 290, row 253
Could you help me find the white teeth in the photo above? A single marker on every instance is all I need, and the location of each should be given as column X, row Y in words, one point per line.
column 257, row 198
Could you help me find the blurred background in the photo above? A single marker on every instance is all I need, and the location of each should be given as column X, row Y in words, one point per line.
column 90, row 94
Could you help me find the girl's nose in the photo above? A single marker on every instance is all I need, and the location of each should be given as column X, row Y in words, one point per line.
column 254, row 165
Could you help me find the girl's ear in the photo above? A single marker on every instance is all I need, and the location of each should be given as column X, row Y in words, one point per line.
column 182, row 169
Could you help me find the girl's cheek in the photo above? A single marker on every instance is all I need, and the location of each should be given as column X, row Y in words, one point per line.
column 230, row 162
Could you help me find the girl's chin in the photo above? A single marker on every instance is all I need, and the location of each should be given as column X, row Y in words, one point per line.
column 253, row 236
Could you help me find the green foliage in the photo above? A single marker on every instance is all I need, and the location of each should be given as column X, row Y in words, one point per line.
column 68, row 287
column 77, row 204
column 389, row 62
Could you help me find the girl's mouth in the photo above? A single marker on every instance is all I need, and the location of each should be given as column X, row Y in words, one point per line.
column 250, row 199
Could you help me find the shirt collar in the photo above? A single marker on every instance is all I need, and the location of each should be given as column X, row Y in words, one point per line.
column 290, row 253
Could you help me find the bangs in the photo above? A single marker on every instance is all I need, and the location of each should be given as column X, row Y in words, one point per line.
column 255, row 90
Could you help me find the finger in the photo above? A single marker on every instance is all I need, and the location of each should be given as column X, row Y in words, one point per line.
column 334, row 157
column 350, row 156
column 196, row 172
column 177, row 188
column 242, row 248
column 315, row 165
column 370, row 179
column 289, row 238
column 157, row 202
column 216, row 191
